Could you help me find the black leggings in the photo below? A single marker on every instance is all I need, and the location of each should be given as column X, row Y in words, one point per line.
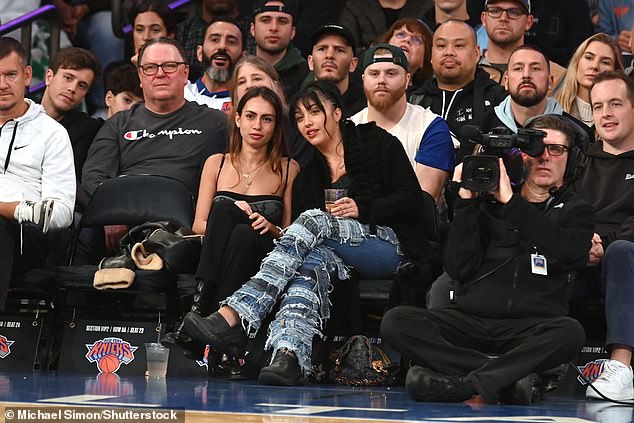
column 232, row 250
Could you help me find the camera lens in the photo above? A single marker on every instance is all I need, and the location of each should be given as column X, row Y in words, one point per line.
column 480, row 173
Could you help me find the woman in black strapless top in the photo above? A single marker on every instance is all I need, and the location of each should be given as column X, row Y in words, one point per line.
column 243, row 201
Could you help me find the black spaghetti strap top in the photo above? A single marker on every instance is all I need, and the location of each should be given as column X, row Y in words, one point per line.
column 269, row 206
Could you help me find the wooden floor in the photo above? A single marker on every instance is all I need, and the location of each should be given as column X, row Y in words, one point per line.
column 212, row 400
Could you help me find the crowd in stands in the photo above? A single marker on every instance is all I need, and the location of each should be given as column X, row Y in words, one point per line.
column 260, row 106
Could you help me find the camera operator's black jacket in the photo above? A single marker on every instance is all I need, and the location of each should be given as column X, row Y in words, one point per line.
column 489, row 252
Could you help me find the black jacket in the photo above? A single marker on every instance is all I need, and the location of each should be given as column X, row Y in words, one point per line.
column 383, row 185
column 607, row 183
column 470, row 105
column 81, row 131
column 489, row 252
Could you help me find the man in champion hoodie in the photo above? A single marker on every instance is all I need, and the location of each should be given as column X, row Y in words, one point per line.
column 37, row 171
column 460, row 92
column 608, row 185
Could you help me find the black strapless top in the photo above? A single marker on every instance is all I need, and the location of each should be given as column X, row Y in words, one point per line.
column 269, row 206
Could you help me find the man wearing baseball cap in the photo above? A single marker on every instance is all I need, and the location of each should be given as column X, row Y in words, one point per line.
column 506, row 23
column 424, row 135
column 273, row 28
column 333, row 59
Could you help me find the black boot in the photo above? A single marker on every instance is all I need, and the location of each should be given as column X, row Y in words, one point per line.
column 215, row 331
column 203, row 304
column 284, row 370
column 526, row 391
column 427, row 385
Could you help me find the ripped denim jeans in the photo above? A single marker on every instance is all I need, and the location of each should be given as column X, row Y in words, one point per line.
column 298, row 270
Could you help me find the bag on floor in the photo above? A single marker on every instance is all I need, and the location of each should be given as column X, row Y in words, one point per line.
column 361, row 363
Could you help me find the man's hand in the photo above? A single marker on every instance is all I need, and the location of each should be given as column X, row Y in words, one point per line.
column 596, row 251
column 504, row 191
column 114, row 233
column 457, row 177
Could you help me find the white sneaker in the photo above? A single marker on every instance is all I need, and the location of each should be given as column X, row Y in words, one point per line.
column 615, row 382
column 35, row 213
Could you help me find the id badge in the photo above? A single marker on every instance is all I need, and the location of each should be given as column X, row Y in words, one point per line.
column 539, row 265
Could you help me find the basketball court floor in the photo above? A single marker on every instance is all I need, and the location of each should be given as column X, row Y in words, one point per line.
column 211, row 400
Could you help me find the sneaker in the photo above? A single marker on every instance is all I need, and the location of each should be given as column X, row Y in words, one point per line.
column 427, row 385
column 36, row 214
column 615, row 382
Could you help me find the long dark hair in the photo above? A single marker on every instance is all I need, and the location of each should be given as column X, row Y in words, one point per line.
column 160, row 8
column 276, row 147
column 314, row 93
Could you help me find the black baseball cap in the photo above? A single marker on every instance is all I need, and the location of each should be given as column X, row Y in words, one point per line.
column 260, row 6
column 333, row 29
column 398, row 56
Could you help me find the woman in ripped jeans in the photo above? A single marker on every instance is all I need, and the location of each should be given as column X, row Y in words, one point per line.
column 374, row 229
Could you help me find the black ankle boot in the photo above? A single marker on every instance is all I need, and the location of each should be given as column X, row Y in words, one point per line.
column 215, row 331
column 526, row 391
column 202, row 305
column 427, row 385
column 284, row 370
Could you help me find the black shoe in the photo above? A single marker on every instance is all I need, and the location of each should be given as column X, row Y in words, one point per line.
column 192, row 348
column 231, row 368
column 215, row 331
column 526, row 391
column 427, row 385
column 283, row 371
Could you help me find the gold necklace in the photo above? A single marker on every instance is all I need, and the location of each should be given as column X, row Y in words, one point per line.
column 250, row 175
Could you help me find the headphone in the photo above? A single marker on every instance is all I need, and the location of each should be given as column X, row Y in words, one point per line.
column 576, row 158
column 581, row 141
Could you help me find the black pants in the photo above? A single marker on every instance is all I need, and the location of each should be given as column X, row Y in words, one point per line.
column 232, row 250
column 453, row 342
column 12, row 261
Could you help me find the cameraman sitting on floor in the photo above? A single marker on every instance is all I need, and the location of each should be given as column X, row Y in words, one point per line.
column 513, row 259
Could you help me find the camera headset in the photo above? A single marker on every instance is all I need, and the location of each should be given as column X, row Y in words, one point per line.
column 576, row 158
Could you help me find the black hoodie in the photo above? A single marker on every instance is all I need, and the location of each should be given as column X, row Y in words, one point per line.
column 607, row 183
column 458, row 107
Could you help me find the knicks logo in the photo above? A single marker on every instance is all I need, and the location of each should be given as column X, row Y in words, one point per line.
column 5, row 345
column 591, row 370
column 110, row 353
column 226, row 107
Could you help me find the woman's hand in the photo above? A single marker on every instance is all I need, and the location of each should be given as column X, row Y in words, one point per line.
column 345, row 207
column 260, row 223
column 244, row 206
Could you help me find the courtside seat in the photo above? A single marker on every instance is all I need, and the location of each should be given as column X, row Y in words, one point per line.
column 129, row 200
column 378, row 291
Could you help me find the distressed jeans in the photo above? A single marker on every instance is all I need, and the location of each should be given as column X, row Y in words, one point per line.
column 298, row 271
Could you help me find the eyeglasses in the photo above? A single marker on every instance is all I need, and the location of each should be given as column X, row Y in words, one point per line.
column 556, row 150
column 416, row 39
column 512, row 12
column 150, row 69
